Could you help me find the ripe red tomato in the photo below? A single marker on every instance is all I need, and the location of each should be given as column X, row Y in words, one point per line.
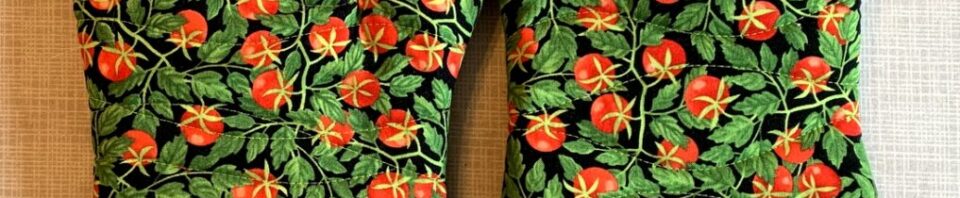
column 425, row 52
column 96, row 189
column 262, row 185
column 397, row 128
column 367, row 4
column 667, row 2
column 377, row 34
column 600, row 17
column 810, row 74
column 427, row 185
column 819, row 180
column 782, row 186
column 201, row 125
column 142, row 150
column 594, row 181
column 676, row 157
column 847, row 119
column 455, row 58
column 260, row 48
column 705, row 96
column 87, row 47
column 193, row 33
column 118, row 62
column 270, row 90
column 360, row 88
column 514, row 115
column 546, row 133
column 757, row 21
column 250, row 9
column 611, row 113
column 830, row 18
column 104, row 5
column 329, row 39
column 334, row 134
column 664, row 61
column 388, row 185
column 526, row 48
column 789, row 147
column 439, row 6
column 594, row 72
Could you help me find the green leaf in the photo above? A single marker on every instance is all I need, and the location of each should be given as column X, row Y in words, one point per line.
column 282, row 145
column 164, row 4
column 227, row 176
column 407, row 25
column 228, row 144
column 547, row 93
column 321, row 14
column 866, row 186
column 579, row 147
column 442, row 94
column 836, row 146
column 739, row 55
column 213, row 8
column 298, row 171
column 108, row 119
column 385, row 9
column 768, row 60
column 654, row 30
column 514, row 159
column 208, row 84
column 201, row 187
column 281, row 24
column 146, row 121
column 816, row 5
column 536, row 177
column 362, row 125
column 425, row 110
column 704, row 45
column 553, row 188
column 173, row 83
column 717, row 178
column 219, row 47
column 574, row 91
column 852, row 78
column 570, row 166
column 392, row 66
column 665, row 97
column 529, row 10
column 718, row 154
column 172, row 156
column 691, row 121
column 613, row 158
column 306, row 118
column 289, row 6
column 160, row 24
column 848, row 26
column 171, row 190
column 641, row 10
column 611, row 44
column 727, row 7
column 673, row 181
column 469, row 11
column 446, row 34
column 239, row 121
column 433, row 139
column 403, row 85
column 291, row 65
column 96, row 98
column 759, row 104
column 326, row 101
column 368, row 165
column 830, row 48
column 136, row 12
column 331, row 164
column 119, row 88
column 160, row 104
column 792, row 31
column 737, row 131
column 667, row 127
column 749, row 81
column 256, row 145
column 691, row 17
column 104, row 33
column 382, row 104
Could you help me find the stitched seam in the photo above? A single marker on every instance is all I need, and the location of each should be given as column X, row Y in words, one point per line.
column 322, row 181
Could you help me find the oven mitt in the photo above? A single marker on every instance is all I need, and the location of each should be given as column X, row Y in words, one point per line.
column 272, row 98
column 689, row 98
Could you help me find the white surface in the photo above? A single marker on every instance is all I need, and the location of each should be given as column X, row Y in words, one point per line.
column 911, row 96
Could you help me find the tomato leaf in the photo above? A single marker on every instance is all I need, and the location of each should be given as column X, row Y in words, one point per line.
column 573, row 89
column 306, row 118
column 367, row 165
column 256, row 144
column 173, row 189
column 816, row 4
column 738, row 131
column 517, row 95
column 727, row 7
column 849, row 25
column 691, row 121
column 321, row 14
column 403, row 85
column 550, row 58
column 331, row 164
column 281, row 24
column 407, row 25
column 172, row 156
column 704, row 45
column 446, row 34
column 173, row 83
column 768, row 60
column 227, row 144
column 442, row 94
column 382, row 104
column 717, row 178
column 749, row 81
column 362, row 125
column 109, row 118
column 866, row 185
column 469, row 10
column 298, row 172
column 718, row 154
column 326, row 102
column 291, row 65
column 136, row 12
column 385, row 9
column 213, row 8
column 288, row 6
column 667, row 127
column 227, row 176
column 528, row 11
column 738, row 55
column 641, row 10
column 536, row 177
column 547, row 93
column 665, row 97
column 674, row 181
column 570, row 167
column 144, row 120
column 392, row 66
column 579, row 147
column 792, row 31
column 654, row 30
column 236, row 26
column 160, row 104
column 759, row 104
column 553, row 188
column 691, row 17
column 564, row 15
column 208, row 84
column 119, row 88
column 613, row 158
column 163, row 4
column 514, row 159
column 425, row 110
column 239, row 121
column 433, row 139
column 282, row 145
column 160, row 24
column 218, row 48
column 836, row 146
column 611, row 44
column 830, row 48
column 201, row 187
column 341, row 189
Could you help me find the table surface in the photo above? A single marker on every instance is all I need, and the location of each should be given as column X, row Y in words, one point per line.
column 910, row 106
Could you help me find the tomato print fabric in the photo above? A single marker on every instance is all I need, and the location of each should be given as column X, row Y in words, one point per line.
column 272, row 98
column 692, row 98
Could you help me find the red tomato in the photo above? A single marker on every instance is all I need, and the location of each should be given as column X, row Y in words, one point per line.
column 201, row 125
column 514, row 115
column 789, row 147
column 425, row 52
column 260, row 48
column 118, row 62
column 782, row 186
column 377, row 34
column 847, row 119
column 250, row 9
column 676, row 157
column 262, row 185
column 440, row 6
column 546, row 133
column 397, row 128
column 526, row 47
column 193, row 33
column 329, row 39
column 664, row 61
column 600, row 17
column 142, row 150
column 830, row 18
column 96, row 189
column 367, row 4
column 334, row 134
column 270, row 90
column 360, row 88
column 611, row 113
column 388, row 185
column 667, row 2
column 455, row 58
column 428, row 185
column 810, row 74
column 705, row 96
column 757, row 21
column 820, row 181
column 594, row 72
column 104, row 5
column 593, row 182
column 87, row 47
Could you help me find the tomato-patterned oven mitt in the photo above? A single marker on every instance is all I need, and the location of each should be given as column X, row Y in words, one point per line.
column 272, row 98
column 684, row 98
